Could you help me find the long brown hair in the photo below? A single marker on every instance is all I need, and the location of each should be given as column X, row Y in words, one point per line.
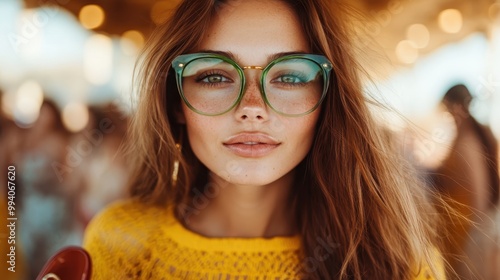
column 354, row 191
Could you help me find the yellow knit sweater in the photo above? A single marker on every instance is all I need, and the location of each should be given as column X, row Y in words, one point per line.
column 130, row 240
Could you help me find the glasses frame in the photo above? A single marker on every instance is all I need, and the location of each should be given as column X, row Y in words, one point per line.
column 179, row 63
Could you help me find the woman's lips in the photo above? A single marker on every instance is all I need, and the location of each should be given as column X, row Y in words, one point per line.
column 251, row 145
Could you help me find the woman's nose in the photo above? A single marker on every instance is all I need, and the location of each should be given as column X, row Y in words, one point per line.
column 252, row 105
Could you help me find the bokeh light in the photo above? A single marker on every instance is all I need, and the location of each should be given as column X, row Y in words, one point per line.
column 28, row 100
column 98, row 59
column 419, row 35
column 132, row 41
column 75, row 116
column 91, row 16
column 450, row 21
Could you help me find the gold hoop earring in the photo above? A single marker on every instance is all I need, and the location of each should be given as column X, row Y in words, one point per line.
column 175, row 172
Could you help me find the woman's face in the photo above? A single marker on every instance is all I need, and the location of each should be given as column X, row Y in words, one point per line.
column 252, row 144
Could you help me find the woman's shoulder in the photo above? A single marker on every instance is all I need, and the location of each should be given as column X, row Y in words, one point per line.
column 124, row 211
column 128, row 209
column 121, row 237
column 124, row 219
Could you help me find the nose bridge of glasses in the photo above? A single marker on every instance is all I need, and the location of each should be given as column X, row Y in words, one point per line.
column 252, row 92
column 253, row 67
column 252, row 77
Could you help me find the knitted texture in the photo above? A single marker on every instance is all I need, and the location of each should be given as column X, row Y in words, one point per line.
column 131, row 240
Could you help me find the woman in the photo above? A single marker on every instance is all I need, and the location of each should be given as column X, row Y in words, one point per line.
column 256, row 156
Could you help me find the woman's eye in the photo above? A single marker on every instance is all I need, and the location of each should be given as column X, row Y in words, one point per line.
column 289, row 79
column 212, row 79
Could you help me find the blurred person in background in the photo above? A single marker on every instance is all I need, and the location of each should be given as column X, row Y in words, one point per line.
column 468, row 179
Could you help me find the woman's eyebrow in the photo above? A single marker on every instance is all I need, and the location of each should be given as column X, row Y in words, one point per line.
column 269, row 57
column 224, row 53
column 280, row 54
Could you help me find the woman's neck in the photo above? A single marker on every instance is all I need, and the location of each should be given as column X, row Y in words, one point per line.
column 228, row 210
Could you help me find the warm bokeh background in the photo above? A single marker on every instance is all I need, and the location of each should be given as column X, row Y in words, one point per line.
column 66, row 96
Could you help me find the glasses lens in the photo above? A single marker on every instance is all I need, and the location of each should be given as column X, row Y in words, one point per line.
column 294, row 86
column 210, row 85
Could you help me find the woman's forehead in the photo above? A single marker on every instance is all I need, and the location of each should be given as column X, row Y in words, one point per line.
column 255, row 30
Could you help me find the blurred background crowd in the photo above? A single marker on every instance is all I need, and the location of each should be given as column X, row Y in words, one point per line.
column 66, row 99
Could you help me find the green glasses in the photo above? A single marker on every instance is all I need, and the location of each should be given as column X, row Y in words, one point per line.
column 213, row 84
